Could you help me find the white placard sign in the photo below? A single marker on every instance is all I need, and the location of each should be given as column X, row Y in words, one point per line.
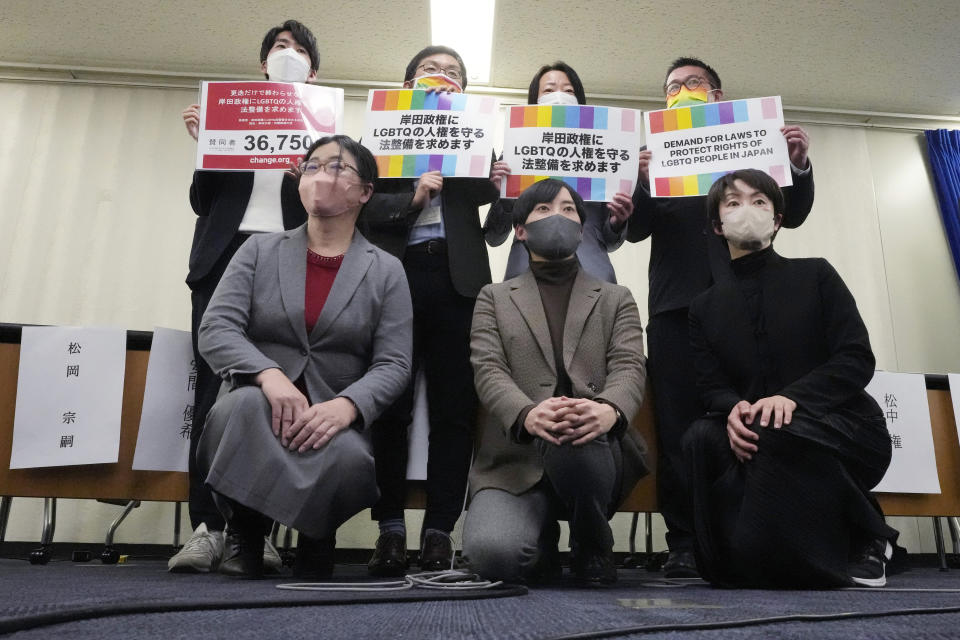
column 593, row 149
column 954, row 380
column 69, row 396
column 411, row 132
column 693, row 146
column 903, row 399
column 163, row 441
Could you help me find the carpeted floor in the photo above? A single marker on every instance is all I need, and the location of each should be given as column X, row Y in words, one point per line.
column 141, row 600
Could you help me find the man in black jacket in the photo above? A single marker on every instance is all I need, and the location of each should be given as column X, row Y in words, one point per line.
column 433, row 225
column 230, row 206
column 684, row 260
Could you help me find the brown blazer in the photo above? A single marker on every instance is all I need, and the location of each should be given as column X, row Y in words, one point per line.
column 513, row 365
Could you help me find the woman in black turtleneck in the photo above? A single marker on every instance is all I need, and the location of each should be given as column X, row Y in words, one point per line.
column 782, row 465
column 559, row 367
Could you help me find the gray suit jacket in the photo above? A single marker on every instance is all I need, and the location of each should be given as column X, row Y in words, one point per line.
column 360, row 347
column 513, row 363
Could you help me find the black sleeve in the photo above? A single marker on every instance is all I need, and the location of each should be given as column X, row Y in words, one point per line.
column 850, row 365
column 716, row 388
column 798, row 199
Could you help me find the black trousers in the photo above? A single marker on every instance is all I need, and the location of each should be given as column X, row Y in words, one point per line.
column 791, row 516
column 442, row 319
column 201, row 504
column 676, row 404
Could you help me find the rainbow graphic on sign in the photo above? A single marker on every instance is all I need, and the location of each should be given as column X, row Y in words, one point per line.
column 560, row 116
column 433, row 130
column 418, row 100
column 712, row 114
column 608, row 124
column 588, row 188
column 699, row 184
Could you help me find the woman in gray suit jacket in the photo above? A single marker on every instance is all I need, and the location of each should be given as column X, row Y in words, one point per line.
column 311, row 331
column 604, row 227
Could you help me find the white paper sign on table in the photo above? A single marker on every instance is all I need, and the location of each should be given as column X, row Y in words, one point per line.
column 69, row 396
column 903, row 399
column 163, row 441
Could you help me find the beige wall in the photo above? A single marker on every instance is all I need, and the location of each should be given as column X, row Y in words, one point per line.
column 95, row 228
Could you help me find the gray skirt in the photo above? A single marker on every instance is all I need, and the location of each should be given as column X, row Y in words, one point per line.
column 314, row 492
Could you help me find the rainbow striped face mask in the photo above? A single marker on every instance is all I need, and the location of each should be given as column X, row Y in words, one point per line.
column 437, row 80
column 686, row 97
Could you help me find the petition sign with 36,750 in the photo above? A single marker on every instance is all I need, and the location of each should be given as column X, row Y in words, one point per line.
column 263, row 125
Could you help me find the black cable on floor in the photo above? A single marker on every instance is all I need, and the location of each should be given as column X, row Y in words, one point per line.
column 753, row 622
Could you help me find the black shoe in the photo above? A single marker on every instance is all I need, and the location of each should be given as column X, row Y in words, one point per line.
column 595, row 568
column 869, row 568
column 436, row 551
column 243, row 555
column 680, row 564
column 390, row 557
column 314, row 557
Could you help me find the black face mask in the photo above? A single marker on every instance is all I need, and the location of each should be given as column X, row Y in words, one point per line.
column 554, row 238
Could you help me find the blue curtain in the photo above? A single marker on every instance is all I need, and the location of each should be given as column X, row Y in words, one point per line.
column 943, row 146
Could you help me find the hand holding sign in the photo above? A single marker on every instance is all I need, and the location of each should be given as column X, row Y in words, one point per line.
column 191, row 118
column 797, row 144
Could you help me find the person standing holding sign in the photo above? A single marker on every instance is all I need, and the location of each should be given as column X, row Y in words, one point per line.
column 433, row 225
column 782, row 464
column 684, row 260
column 604, row 228
column 231, row 206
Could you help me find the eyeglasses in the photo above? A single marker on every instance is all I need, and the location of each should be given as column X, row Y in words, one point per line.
column 691, row 83
column 333, row 168
column 451, row 72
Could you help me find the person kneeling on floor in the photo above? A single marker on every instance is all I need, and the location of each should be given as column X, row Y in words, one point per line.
column 782, row 465
column 312, row 332
column 559, row 367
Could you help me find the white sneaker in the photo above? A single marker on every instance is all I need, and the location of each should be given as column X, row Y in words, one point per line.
column 201, row 554
column 271, row 559
column 232, row 565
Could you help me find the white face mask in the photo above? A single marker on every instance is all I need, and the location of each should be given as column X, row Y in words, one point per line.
column 557, row 98
column 748, row 228
column 286, row 65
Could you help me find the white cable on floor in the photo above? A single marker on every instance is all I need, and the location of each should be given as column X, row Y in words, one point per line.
column 448, row 580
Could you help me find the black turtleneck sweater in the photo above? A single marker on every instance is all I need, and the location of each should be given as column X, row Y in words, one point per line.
column 555, row 281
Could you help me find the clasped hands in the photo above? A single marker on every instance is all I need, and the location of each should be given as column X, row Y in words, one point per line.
column 300, row 425
column 575, row 420
column 742, row 438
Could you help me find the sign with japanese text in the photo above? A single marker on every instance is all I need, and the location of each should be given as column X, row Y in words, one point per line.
column 69, row 396
column 411, row 132
column 903, row 399
column 263, row 125
column 592, row 149
column 954, row 380
column 163, row 441
column 693, row 146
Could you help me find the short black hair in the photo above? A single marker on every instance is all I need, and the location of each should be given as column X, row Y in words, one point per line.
column 432, row 51
column 300, row 33
column 366, row 164
column 757, row 179
column 544, row 191
column 693, row 62
column 534, row 93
